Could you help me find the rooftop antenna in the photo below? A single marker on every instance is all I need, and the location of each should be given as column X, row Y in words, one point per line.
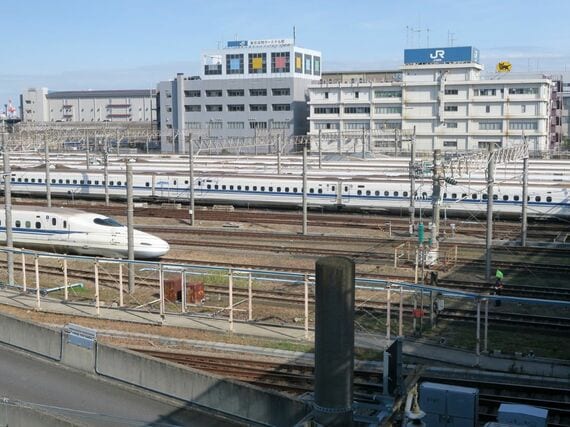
column 427, row 35
column 294, row 36
column 450, row 38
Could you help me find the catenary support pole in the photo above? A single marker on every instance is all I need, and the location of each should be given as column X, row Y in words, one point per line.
column 278, row 140
column 65, row 281
column 231, row 297
column 478, row 334
column 305, row 189
column 388, row 311
column 486, row 330
column 320, row 150
column 524, row 221
column 191, row 180
column 24, row 280
column 130, row 227
column 412, row 182
column 249, row 297
column 306, row 284
column 437, row 179
column 121, row 291
column 96, row 274
column 401, row 313
column 490, row 192
column 37, row 270
column 47, row 165
column 8, row 206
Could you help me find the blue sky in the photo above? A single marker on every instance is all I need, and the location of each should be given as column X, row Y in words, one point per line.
column 132, row 44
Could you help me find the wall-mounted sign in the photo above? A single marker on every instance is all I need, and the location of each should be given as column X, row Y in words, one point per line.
column 441, row 55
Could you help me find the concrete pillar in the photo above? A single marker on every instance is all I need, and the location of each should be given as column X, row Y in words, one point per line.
column 8, row 206
column 334, row 341
column 130, row 227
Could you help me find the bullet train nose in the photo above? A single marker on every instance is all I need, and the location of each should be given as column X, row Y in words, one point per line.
column 148, row 246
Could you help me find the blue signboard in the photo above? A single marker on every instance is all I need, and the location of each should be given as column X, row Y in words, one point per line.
column 438, row 55
column 237, row 43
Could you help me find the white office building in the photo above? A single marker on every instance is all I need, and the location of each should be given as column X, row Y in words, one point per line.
column 247, row 88
column 442, row 94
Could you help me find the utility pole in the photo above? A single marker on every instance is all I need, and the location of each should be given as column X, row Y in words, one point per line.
column 191, row 183
column 47, row 164
column 106, row 170
column 524, row 224
column 130, row 226
column 304, row 188
column 278, row 155
column 412, row 182
column 8, row 205
column 320, row 151
column 490, row 188
column 87, row 152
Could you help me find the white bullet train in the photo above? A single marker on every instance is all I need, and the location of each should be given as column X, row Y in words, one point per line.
column 73, row 231
column 547, row 199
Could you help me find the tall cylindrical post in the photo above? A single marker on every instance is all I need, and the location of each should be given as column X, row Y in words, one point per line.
column 130, row 227
column 305, row 189
column 8, row 206
column 96, row 274
column 490, row 191
column 388, row 311
column 65, row 281
column 47, row 165
column 37, row 270
column 334, row 341
column 401, row 313
column 87, row 155
column 191, row 181
column 412, row 182
column 320, row 150
column 278, row 155
column 486, row 330
column 478, row 334
column 231, row 297
column 106, row 170
column 306, row 285
column 524, row 223
column 24, row 280
column 437, row 179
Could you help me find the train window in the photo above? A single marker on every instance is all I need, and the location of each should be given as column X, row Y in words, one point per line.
column 495, row 197
column 199, row 183
column 109, row 222
column 239, row 187
column 53, row 221
column 247, row 188
column 386, row 193
column 445, row 195
column 255, row 188
column 38, row 224
column 320, row 191
column 223, row 187
column 96, row 182
column 209, row 186
column 64, row 224
column 396, row 194
column 19, row 179
column 359, row 192
column 174, row 182
column 548, row 199
column 13, row 179
column 119, row 183
column 25, row 179
column 111, row 182
column 231, row 187
column 376, row 193
column 485, row 196
column 81, row 182
column 295, row 189
column 516, row 198
column 28, row 224
column 67, row 181
column 368, row 192
column 216, row 187
column 464, row 195
column 474, row 196
column 286, row 189
column 332, row 188
column 346, row 188
column 40, row 180
column 424, row 195
column 262, row 188
column 186, row 182
column 454, row 195
column 405, row 194
column 270, row 188
column 33, row 180
column 147, row 184
column 75, row 181
column 53, row 181
column 61, row 181
column 279, row 189
column 505, row 197
column 88, row 182
column 18, row 223
column 537, row 198
column 312, row 190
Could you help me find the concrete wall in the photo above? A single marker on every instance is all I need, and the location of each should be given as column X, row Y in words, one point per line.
column 19, row 416
column 205, row 389
column 31, row 337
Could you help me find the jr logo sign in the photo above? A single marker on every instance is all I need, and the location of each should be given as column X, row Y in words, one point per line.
column 438, row 54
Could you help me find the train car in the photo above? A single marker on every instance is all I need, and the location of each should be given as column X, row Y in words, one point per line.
column 73, row 231
column 549, row 199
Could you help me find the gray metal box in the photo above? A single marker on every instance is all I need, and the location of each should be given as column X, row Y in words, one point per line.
column 522, row 415
column 448, row 405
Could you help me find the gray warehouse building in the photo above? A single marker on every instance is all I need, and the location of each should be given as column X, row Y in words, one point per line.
column 247, row 88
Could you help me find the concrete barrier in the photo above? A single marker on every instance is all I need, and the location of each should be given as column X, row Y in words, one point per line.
column 230, row 397
column 31, row 337
column 14, row 414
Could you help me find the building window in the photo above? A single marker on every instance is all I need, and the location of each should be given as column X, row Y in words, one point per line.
column 451, row 92
column 212, row 69
column 308, row 64
column 327, row 110
column 523, row 91
column 257, row 107
column 357, row 110
column 214, row 93
column 215, row 125
column 280, row 125
column 356, row 125
column 258, row 92
column 523, row 125
column 388, row 125
column 236, row 92
column 452, row 144
column 193, row 125
column 234, row 63
column 487, row 108
column 388, row 110
column 281, row 91
column 192, row 93
column 327, row 126
column 326, row 95
column 298, row 62
column 316, row 65
column 451, row 125
column 235, row 125
column 214, row 107
column 280, row 62
column 236, row 107
column 485, row 92
column 258, row 125
column 490, row 125
column 192, row 108
column 356, row 94
column 450, row 108
column 281, row 107
column 257, row 63
column 523, row 108
column 387, row 94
